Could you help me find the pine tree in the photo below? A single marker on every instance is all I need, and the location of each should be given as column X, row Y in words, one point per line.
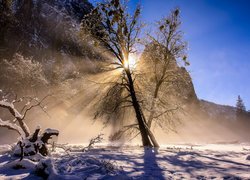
column 240, row 107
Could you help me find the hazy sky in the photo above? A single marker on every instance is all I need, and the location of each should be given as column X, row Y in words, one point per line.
column 218, row 34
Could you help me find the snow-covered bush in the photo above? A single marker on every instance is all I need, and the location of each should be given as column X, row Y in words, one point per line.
column 46, row 169
column 21, row 73
column 76, row 148
column 58, row 71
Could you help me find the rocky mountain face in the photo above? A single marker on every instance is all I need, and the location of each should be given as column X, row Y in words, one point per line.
column 201, row 121
column 179, row 87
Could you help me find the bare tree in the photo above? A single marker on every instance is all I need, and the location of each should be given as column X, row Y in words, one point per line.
column 93, row 141
column 159, row 65
column 29, row 144
column 18, row 123
column 111, row 26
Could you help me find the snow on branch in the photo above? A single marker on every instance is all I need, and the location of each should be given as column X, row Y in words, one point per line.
column 11, row 126
column 11, row 108
column 19, row 115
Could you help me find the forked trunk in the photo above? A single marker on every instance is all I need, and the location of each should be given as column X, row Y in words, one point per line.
column 150, row 134
column 147, row 136
column 152, row 112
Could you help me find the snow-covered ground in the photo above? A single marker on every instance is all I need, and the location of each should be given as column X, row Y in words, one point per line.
column 213, row 161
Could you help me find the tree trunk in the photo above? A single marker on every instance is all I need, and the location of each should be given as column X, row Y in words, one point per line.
column 35, row 135
column 152, row 108
column 24, row 127
column 150, row 134
column 152, row 137
column 142, row 126
column 152, row 112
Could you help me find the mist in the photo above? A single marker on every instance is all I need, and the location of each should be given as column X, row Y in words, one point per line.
column 71, row 109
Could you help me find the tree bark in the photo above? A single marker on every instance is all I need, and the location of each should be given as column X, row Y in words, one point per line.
column 35, row 135
column 142, row 126
column 14, row 112
column 152, row 137
column 21, row 148
column 150, row 134
column 24, row 127
column 152, row 111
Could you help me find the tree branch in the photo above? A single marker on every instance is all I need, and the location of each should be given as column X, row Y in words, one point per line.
column 11, row 126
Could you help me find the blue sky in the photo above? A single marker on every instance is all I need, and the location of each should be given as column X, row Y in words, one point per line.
column 218, row 34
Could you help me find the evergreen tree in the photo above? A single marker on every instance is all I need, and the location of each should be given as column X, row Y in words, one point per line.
column 240, row 107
